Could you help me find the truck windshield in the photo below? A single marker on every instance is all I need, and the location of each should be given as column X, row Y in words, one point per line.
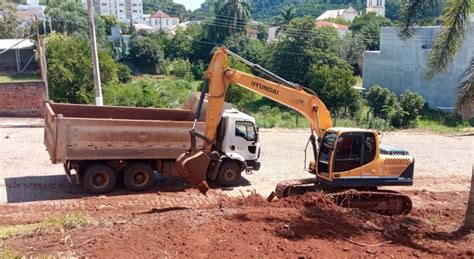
column 245, row 129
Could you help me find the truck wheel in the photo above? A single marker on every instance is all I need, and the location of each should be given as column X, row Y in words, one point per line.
column 138, row 177
column 229, row 173
column 99, row 179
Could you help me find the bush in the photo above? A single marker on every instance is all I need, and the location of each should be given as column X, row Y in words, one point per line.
column 124, row 73
column 138, row 94
column 412, row 104
column 198, row 70
column 382, row 101
column 179, row 67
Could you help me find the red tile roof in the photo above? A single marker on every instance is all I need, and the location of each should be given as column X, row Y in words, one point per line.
column 338, row 26
column 252, row 31
column 160, row 14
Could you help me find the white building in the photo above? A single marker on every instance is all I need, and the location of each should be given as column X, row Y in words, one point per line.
column 376, row 6
column 348, row 14
column 32, row 7
column 124, row 10
column 160, row 20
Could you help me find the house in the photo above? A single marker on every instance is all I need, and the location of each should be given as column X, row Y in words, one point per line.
column 119, row 41
column 341, row 28
column 401, row 65
column 124, row 10
column 160, row 21
column 252, row 33
column 17, row 56
column 272, row 32
column 182, row 26
column 348, row 14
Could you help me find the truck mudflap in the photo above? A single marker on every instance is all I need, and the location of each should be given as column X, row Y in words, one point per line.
column 192, row 166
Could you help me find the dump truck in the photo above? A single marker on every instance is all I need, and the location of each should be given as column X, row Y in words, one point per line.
column 100, row 144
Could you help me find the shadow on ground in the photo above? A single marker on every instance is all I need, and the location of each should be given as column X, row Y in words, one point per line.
column 56, row 187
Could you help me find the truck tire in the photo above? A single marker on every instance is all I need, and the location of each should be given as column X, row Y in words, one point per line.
column 229, row 173
column 99, row 179
column 138, row 177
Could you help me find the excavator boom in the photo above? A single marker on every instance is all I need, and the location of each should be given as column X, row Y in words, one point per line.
column 194, row 164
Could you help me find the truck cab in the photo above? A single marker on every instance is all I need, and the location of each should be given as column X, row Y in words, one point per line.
column 239, row 146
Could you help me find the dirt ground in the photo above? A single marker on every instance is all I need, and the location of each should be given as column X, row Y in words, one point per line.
column 174, row 221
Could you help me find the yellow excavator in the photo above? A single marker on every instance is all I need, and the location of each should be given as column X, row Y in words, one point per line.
column 349, row 164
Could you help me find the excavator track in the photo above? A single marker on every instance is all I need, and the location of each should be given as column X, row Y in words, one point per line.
column 380, row 201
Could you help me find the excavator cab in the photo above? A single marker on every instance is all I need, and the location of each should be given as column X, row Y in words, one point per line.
column 352, row 158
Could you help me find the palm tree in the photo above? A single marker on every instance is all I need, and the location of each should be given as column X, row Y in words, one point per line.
column 287, row 13
column 455, row 21
column 232, row 15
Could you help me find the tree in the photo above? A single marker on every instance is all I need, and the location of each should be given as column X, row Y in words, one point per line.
column 143, row 51
column 249, row 48
column 367, row 27
column 287, row 13
column 231, row 17
column 334, row 87
column 381, row 100
column 110, row 21
column 455, row 22
column 70, row 69
column 71, row 18
column 10, row 26
column 292, row 54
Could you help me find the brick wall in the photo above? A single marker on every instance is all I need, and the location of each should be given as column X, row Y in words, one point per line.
column 22, row 99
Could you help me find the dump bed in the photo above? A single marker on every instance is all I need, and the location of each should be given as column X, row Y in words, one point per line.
column 86, row 132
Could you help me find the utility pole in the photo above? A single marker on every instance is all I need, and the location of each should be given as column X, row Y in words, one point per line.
column 42, row 60
column 95, row 58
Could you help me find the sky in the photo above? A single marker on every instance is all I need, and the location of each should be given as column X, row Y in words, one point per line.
column 190, row 4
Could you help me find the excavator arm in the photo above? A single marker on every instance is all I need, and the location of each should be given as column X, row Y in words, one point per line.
column 194, row 164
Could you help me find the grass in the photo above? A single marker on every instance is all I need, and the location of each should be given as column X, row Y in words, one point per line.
column 64, row 221
column 19, row 78
column 7, row 253
column 441, row 122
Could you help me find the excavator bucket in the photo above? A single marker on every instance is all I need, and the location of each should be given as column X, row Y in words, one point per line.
column 193, row 165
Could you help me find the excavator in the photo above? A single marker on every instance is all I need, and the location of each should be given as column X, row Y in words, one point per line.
column 349, row 164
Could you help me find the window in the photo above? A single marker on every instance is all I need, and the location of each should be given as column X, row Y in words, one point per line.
column 134, row 4
column 245, row 129
column 120, row 4
column 348, row 152
column 354, row 150
column 167, row 22
column 104, row 4
column 327, row 146
column 369, row 147
column 134, row 11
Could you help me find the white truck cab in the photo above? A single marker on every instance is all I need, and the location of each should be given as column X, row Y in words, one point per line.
column 238, row 143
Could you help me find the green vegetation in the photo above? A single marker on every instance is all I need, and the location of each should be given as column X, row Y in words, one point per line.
column 441, row 122
column 19, row 78
column 70, row 71
column 317, row 58
column 7, row 253
column 166, row 93
column 65, row 221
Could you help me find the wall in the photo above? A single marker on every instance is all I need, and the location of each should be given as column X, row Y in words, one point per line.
column 401, row 65
column 22, row 99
